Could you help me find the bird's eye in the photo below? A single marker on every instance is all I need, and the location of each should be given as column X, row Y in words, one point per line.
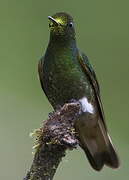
column 70, row 24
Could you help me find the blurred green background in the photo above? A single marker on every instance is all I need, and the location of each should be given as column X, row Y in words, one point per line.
column 103, row 33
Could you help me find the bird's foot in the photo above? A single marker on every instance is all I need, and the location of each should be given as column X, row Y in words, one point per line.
column 73, row 101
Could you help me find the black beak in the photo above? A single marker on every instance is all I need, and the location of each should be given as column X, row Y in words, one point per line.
column 53, row 20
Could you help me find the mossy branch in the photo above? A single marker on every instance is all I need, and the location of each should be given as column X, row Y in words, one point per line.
column 53, row 139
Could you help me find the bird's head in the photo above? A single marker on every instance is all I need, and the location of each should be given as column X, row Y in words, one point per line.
column 61, row 25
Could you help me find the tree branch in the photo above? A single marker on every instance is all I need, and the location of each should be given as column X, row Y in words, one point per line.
column 52, row 140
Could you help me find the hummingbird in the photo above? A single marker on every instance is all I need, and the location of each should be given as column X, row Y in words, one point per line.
column 66, row 74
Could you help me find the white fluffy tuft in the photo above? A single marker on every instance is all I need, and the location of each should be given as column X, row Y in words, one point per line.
column 86, row 106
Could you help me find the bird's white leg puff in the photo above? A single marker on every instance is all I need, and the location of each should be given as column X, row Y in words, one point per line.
column 86, row 106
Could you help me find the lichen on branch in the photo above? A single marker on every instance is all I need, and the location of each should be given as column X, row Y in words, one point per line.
column 52, row 140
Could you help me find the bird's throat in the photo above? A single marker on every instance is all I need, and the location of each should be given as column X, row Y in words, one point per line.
column 62, row 40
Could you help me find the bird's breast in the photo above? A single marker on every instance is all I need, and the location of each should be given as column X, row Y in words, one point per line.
column 64, row 80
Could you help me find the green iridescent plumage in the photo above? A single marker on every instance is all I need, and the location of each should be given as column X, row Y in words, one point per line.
column 66, row 74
